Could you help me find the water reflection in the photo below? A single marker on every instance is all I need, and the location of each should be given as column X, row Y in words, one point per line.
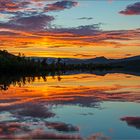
column 70, row 106
column 132, row 121
column 18, row 80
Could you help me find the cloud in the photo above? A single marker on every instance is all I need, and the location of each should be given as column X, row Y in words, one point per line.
column 80, row 30
column 92, row 34
column 133, row 9
column 30, row 14
column 22, row 8
column 60, row 5
column 41, row 37
column 31, row 23
column 40, row 26
column 12, row 5
column 35, row 5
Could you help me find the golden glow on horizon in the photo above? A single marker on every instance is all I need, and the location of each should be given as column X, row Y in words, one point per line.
column 68, row 45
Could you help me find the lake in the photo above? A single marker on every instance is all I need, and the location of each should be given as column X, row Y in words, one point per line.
column 76, row 106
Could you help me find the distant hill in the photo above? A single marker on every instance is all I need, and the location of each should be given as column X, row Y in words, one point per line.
column 130, row 64
column 97, row 60
column 5, row 56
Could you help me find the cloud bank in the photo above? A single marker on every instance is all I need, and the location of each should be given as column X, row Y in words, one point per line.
column 31, row 24
column 133, row 9
column 60, row 5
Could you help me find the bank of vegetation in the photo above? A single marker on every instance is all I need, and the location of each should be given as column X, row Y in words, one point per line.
column 20, row 64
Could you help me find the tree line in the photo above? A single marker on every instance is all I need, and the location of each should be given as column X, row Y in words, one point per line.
column 10, row 63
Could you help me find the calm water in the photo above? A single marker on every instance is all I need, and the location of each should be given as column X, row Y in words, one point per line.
column 79, row 106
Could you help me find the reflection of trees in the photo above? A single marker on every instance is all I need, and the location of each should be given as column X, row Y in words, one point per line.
column 3, row 87
column 18, row 80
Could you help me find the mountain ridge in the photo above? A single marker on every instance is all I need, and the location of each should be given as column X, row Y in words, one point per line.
column 96, row 60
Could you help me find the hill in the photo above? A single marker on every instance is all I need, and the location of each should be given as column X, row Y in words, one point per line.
column 98, row 60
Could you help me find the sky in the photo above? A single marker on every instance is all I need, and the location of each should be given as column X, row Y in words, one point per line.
column 71, row 28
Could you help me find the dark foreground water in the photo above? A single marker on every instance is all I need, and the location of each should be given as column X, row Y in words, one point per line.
column 80, row 106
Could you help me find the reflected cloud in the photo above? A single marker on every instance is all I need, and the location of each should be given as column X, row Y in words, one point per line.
column 59, row 126
column 132, row 121
column 35, row 110
column 17, row 130
column 32, row 105
column 38, row 134
column 99, row 136
column 88, row 90
column 10, row 130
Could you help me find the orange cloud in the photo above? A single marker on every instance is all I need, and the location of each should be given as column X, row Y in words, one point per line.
column 70, row 43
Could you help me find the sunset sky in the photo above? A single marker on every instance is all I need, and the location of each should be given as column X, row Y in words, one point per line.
column 71, row 28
